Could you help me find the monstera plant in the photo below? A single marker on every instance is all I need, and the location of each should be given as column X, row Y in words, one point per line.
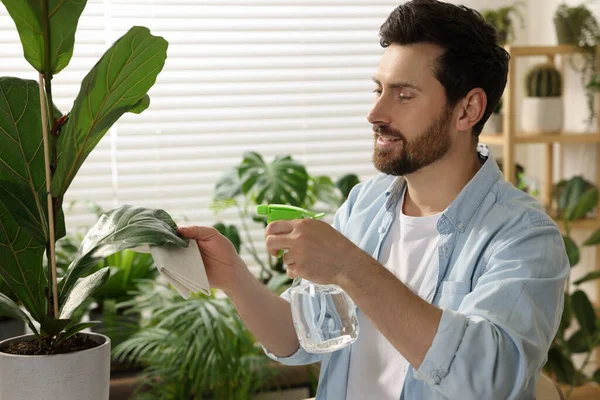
column 41, row 150
column 284, row 180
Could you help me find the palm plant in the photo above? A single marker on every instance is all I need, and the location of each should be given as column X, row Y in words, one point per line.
column 192, row 349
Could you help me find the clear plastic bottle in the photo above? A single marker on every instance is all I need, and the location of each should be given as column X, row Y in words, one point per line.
column 324, row 317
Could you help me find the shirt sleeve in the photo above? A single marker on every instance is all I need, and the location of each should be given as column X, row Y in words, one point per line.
column 497, row 341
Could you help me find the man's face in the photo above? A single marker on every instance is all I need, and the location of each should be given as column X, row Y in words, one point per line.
column 411, row 120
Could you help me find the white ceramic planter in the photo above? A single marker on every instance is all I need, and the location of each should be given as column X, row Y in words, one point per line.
column 542, row 115
column 73, row 376
column 493, row 125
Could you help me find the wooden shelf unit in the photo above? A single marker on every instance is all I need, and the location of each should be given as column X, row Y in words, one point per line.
column 510, row 137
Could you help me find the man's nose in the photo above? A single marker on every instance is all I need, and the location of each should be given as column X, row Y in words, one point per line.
column 380, row 112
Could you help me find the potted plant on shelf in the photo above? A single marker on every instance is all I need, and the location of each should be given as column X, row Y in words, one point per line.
column 578, row 27
column 575, row 199
column 42, row 149
column 502, row 19
column 542, row 108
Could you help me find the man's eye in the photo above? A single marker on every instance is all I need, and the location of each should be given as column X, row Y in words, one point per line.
column 404, row 97
column 377, row 92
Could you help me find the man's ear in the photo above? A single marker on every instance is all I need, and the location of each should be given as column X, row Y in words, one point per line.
column 472, row 108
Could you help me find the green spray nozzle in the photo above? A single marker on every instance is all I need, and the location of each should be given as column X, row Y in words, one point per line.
column 278, row 212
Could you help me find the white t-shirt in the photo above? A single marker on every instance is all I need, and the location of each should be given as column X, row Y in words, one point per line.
column 377, row 369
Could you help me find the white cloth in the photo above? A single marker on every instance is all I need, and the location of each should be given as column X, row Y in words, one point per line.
column 182, row 267
column 377, row 369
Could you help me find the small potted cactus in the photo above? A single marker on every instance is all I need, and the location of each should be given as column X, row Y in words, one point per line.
column 542, row 109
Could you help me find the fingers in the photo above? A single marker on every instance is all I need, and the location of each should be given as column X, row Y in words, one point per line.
column 278, row 228
column 275, row 243
column 197, row 232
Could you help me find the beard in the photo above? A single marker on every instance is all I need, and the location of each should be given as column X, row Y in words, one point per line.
column 428, row 147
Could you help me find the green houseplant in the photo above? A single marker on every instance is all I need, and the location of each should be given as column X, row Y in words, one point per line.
column 199, row 348
column 283, row 181
column 503, row 20
column 578, row 27
column 575, row 199
column 543, row 106
column 42, row 150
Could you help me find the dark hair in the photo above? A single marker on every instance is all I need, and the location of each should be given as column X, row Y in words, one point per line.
column 473, row 56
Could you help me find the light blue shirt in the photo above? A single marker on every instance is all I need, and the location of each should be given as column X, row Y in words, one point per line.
column 499, row 281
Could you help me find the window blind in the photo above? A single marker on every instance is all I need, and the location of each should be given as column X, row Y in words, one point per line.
column 272, row 76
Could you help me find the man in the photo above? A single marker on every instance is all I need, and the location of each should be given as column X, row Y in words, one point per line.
column 457, row 275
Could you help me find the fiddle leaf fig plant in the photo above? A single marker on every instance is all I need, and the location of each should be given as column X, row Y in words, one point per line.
column 41, row 151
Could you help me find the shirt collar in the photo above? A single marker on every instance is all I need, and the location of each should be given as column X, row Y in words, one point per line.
column 462, row 209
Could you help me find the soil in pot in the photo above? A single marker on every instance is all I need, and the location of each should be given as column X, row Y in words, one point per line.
column 32, row 347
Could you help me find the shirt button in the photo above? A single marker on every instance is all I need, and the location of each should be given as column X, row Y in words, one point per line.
column 381, row 229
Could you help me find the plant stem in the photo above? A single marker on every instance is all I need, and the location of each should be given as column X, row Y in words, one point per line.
column 251, row 248
column 50, row 156
column 51, row 254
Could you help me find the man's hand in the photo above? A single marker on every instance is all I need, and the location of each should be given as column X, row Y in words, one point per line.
column 221, row 261
column 315, row 250
column 267, row 315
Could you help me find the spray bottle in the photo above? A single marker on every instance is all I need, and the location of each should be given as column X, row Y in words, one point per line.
column 324, row 315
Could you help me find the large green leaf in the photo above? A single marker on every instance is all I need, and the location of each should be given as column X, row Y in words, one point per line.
column 21, row 265
column 567, row 315
column 228, row 186
column 82, row 290
column 570, row 192
column 322, row 188
column 561, row 366
column 119, row 229
column 593, row 240
column 596, row 376
column 585, row 204
column 346, row 183
column 117, row 84
column 127, row 267
column 231, row 233
column 9, row 308
column 590, row 276
column 22, row 173
column 284, row 181
column 51, row 326
column 580, row 342
column 584, row 312
column 63, row 16
column 572, row 250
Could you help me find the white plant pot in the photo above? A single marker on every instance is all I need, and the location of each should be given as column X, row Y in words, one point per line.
column 493, row 126
column 73, row 376
column 542, row 115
